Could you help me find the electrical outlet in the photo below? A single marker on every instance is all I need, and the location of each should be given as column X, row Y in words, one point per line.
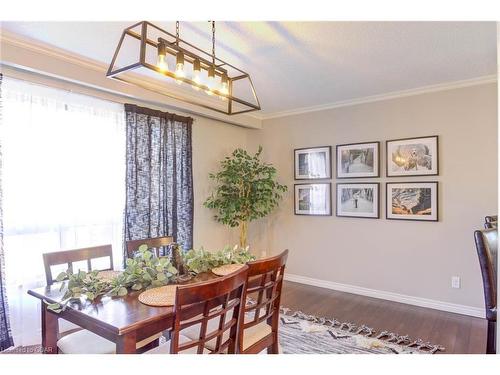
column 455, row 282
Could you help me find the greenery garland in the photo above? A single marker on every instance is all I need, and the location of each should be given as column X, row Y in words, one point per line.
column 201, row 260
column 144, row 271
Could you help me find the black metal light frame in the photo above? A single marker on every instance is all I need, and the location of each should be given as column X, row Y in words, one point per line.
column 173, row 46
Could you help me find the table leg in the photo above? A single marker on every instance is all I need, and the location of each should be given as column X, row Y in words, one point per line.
column 126, row 344
column 50, row 330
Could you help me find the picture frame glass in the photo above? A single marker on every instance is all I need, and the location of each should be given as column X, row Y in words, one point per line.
column 412, row 157
column 358, row 200
column 412, row 201
column 313, row 163
column 358, row 160
column 312, row 199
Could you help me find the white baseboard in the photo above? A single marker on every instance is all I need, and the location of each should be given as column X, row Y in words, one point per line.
column 410, row 300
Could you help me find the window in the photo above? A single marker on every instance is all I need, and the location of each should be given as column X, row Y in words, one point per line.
column 63, row 180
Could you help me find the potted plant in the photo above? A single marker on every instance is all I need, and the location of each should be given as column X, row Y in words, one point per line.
column 246, row 190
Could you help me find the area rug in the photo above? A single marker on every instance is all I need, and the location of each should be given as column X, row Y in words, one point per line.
column 308, row 334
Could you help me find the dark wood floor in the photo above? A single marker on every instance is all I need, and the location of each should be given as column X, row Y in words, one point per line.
column 457, row 333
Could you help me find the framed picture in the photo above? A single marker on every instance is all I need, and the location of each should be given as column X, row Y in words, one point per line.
column 358, row 160
column 412, row 157
column 313, row 199
column 313, row 163
column 412, row 201
column 358, row 200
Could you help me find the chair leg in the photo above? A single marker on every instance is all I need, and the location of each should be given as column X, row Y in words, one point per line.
column 275, row 347
column 491, row 343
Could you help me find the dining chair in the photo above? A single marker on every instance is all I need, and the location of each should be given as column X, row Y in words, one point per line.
column 74, row 339
column 487, row 251
column 260, row 326
column 68, row 257
column 216, row 308
column 155, row 243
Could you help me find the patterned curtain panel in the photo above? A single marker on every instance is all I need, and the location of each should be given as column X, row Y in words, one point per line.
column 159, row 182
column 5, row 333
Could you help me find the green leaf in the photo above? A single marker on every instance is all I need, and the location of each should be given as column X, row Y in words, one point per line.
column 161, row 277
column 61, row 276
column 122, row 292
column 137, row 286
column 129, row 262
column 156, row 283
column 143, row 248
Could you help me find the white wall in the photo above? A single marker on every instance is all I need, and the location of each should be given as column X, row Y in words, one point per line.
column 409, row 258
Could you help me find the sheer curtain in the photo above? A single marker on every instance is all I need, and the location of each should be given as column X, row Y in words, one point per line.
column 63, row 185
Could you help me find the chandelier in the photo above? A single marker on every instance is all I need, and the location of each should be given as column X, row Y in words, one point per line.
column 216, row 84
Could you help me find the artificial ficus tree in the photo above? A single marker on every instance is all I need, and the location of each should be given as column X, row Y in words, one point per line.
column 246, row 190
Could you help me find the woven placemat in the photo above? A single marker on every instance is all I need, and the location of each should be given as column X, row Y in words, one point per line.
column 162, row 296
column 226, row 269
column 108, row 275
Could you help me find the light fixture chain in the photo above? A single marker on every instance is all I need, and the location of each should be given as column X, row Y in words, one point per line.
column 213, row 42
column 177, row 31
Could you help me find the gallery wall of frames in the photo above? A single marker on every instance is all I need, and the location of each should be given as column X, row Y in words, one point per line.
column 357, row 166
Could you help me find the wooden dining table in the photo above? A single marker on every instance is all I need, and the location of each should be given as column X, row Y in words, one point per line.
column 122, row 320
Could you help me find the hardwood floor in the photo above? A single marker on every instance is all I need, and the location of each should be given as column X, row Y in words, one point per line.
column 457, row 333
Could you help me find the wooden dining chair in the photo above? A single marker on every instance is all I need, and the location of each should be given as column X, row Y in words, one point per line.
column 260, row 328
column 75, row 340
column 216, row 308
column 155, row 243
column 68, row 257
column 487, row 251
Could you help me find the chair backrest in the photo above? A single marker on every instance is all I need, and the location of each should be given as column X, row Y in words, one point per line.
column 265, row 280
column 491, row 221
column 491, row 225
column 197, row 304
column 156, row 244
column 77, row 255
column 487, row 251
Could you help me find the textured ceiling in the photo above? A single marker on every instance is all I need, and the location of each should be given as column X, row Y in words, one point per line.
column 301, row 64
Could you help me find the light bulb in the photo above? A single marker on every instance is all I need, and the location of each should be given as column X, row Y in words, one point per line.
column 224, row 89
column 179, row 66
column 211, row 80
column 162, row 59
column 196, row 73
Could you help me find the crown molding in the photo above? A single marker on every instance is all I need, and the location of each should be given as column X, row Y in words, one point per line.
column 51, row 51
column 381, row 97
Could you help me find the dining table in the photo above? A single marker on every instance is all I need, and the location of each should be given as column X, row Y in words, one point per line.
column 122, row 320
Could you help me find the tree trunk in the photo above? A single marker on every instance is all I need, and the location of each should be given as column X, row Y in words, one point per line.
column 243, row 233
